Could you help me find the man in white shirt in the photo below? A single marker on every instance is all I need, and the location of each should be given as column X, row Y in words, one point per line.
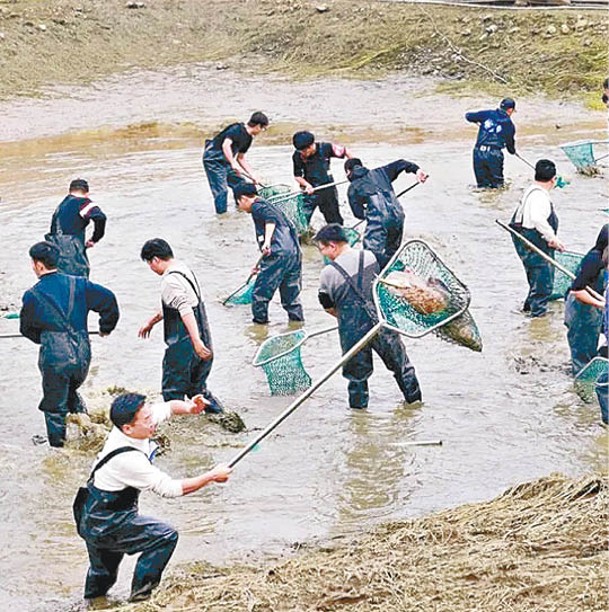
column 108, row 518
column 536, row 220
column 188, row 357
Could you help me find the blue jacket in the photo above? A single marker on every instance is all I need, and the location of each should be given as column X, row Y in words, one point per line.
column 496, row 129
column 74, row 214
column 38, row 316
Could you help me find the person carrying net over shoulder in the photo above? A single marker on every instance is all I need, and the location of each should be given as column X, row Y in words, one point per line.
column 345, row 292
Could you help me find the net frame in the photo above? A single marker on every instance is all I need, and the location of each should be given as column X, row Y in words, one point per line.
column 292, row 206
column 585, row 380
column 243, row 296
column 571, row 261
column 459, row 293
column 581, row 152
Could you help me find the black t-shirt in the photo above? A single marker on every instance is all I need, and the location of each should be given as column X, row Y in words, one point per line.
column 241, row 140
column 591, row 272
column 316, row 169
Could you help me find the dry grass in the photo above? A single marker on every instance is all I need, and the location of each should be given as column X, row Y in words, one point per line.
column 72, row 41
column 539, row 546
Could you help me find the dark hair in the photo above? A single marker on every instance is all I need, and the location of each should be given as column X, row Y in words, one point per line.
column 332, row 232
column 507, row 103
column 125, row 407
column 604, row 98
column 79, row 185
column 46, row 253
column 302, row 140
column 157, row 247
column 245, row 189
column 258, row 118
column 545, row 170
column 606, row 83
column 354, row 162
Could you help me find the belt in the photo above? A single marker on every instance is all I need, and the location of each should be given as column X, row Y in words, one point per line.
column 487, row 148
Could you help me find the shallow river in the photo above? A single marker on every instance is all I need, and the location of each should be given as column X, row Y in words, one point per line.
column 505, row 416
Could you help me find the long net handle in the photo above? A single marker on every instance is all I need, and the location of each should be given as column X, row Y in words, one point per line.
column 245, row 284
column 537, row 250
column 91, row 333
column 284, row 196
column 529, row 164
column 306, row 395
column 320, row 332
column 407, row 189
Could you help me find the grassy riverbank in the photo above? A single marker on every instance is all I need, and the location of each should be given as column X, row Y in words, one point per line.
column 539, row 546
column 54, row 42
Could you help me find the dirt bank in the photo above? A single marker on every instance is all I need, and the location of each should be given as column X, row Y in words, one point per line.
column 539, row 546
column 45, row 42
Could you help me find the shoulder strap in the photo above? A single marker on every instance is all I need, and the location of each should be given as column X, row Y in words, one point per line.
column 64, row 316
column 525, row 199
column 110, row 455
column 357, row 290
column 196, row 289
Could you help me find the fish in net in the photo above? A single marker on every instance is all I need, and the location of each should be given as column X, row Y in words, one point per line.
column 581, row 155
column 281, row 361
column 292, row 206
column 462, row 330
column 272, row 191
column 585, row 381
column 562, row 282
column 417, row 293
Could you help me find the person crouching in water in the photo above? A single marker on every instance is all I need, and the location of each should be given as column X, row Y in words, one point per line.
column 108, row 518
column 281, row 263
column 345, row 291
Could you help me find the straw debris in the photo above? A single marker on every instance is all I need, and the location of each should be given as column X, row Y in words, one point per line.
column 539, row 546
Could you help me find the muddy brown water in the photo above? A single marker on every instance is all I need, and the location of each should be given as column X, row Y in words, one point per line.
column 504, row 416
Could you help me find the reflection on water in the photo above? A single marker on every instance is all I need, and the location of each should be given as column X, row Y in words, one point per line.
column 506, row 415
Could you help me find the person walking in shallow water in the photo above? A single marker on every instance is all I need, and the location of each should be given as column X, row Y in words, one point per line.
column 496, row 132
column 224, row 158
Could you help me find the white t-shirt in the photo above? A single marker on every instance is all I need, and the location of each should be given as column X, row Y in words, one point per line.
column 534, row 209
column 134, row 469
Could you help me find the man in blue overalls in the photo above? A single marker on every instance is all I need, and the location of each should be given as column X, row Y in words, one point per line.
column 107, row 518
column 68, row 225
column 224, row 158
column 281, row 264
column 496, row 131
column 54, row 315
column 371, row 197
column 536, row 220
column 189, row 354
column 345, row 291
column 583, row 312
column 311, row 163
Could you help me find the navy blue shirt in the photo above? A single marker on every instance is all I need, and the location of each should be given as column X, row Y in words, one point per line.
column 316, row 168
column 37, row 315
column 496, row 129
column 591, row 272
column 285, row 238
column 237, row 132
column 74, row 214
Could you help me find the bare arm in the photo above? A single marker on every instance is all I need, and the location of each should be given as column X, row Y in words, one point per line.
column 331, row 311
column 269, row 230
column 247, row 168
column 218, row 474
column 585, row 298
column 145, row 330
column 228, row 153
column 304, row 184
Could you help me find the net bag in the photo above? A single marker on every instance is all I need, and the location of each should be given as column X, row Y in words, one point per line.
column 292, row 206
column 463, row 331
column 581, row 153
column 562, row 282
column 435, row 295
column 273, row 190
column 281, row 361
column 243, row 295
column 585, row 381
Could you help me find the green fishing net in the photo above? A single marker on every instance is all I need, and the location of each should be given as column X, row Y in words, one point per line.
column 462, row 330
column 292, row 206
column 585, row 381
column 243, row 295
column 273, row 190
column 400, row 312
column 281, row 361
column 570, row 261
column 581, row 154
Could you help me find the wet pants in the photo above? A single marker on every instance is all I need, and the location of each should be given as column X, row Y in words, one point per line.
column 359, row 368
column 327, row 201
column 383, row 239
column 584, row 324
column 220, row 176
column 488, row 167
column 60, row 396
column 185, row 373
column 281, row 272
column 133, row 534
column 602, row 393
column 540, row 276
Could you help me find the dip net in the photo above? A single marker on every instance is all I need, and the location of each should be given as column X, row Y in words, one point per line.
column 570, row 261
column 281, row 361
column 243, row 295
column 585, row 381
column 581, row 153
column 291, row 204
